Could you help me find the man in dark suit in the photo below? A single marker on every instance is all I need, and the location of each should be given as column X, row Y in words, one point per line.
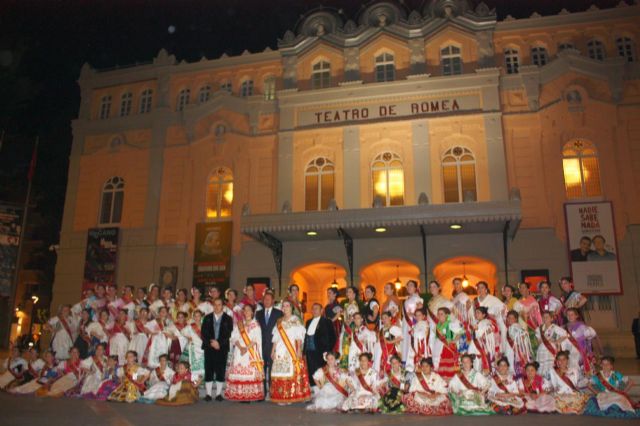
column 320, row 338
column 216, row 331
column 267, row 318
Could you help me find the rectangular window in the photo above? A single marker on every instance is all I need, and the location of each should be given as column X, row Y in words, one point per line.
column 572, row 178
column 105, row 212
column 311, row 194
column 450, row 181
column 326, row 190
column 468, row 177
column 118, row 201
column 591, row 175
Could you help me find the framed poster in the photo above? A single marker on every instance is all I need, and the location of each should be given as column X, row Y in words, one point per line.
column 10, row 225
column 593, row 249
column 168, row 277
column 212, row 254
column 534, row 277
column 100, row 258
column 260, row 285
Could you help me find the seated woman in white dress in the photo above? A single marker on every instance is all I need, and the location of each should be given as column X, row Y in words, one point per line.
column 159, row 382
column 427, row 393
column 47, row 374
column 12, row 369
column 93, row 369
column 70, row 375
column 468, row 389
column 139, row 337
column 503, row 392
column 611, row 391
column 119, row 336
column 363, row 388
column 566, row 383
column 331, row 383
column 535, row 390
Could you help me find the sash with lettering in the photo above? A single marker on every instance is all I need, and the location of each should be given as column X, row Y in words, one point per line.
column 289, row 346
column 585, row 358
column 423, row 383
column 467, row 384
column 145, row 357
column 566, row 380
column 256, row 360
column 129, row 376
column 334, row 382
column 552, row 350
column 364, row 383
column 608, row 386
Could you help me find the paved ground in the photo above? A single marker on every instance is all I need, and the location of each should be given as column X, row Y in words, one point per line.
column 26, row 411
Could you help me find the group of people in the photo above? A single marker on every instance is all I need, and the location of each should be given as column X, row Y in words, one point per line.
column 430, row 355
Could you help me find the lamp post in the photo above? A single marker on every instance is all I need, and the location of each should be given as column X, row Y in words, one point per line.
column 34, row 302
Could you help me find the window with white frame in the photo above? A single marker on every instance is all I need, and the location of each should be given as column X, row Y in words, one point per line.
column 125, row 104
column 626, row 48
column 146, row 98
column 595, row 49
column 321, row 75
column 458, row 174
column 219, row 197
column 246, row 88
column 539, row 56
column 105, row 107
column 385, row 67
column 269, row 88
column 319, row 178
column 387, row 175
column 226, row 86
column 451, row 60
column 183, row 99
column 581, row 170
column 204, row 94
column 112, row 201
column 511, row 60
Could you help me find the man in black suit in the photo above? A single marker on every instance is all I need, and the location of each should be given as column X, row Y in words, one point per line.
column 216, row 331
column 635, row 329
column 320, row 338
column 267, row 318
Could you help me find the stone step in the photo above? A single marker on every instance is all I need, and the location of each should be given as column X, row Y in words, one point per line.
column 617, row 344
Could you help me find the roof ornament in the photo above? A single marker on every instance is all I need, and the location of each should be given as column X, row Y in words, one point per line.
column 535, row 15
column 423, row 199
column 288, row 36
column 483, row 10
column 350, row 27
column 414, row 18
column 564, row 12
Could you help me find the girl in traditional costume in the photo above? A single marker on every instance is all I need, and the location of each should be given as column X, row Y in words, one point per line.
column 289, row 377
column 139, row 337
column 535, row 390
column 13, row 368
column 496, row 312
column 504, row 394
column 349, row 309
column 553, row 339
column 180, row 305
column 462, row 308
column 508, row 296
column 389, row 343
column 468, row 389
column 177, row 339
column 120, row 333
column 580, row 336
column 611, row 391
column 160, row 379
column 371, row 309
column 566, row 383
column 485, row 344
column 231, row 306
column 83, row 341
column 427, row 394
column 110, row 380
column 92, row 372
column 65, row 331
column 158, row 343
column 363, row 388
column 549, row 303
column 518, row 350
column 193, row 351
column 392, row 304
column 333, row 311
column 46, row 375
column 529, row 310
column 246, row 370
column 445, row 346
column 70, row 375
column 409, row 306
column 132, row 379
column 420, row 340
column 183, row 389
column 362, row 340
column 98, row 330
column 394, row 388
column 299, row 309
column 331, row 383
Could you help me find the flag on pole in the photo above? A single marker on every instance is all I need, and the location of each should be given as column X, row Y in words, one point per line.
column 32, row 166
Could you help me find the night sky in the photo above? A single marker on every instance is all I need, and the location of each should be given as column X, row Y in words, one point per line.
column 44, row 43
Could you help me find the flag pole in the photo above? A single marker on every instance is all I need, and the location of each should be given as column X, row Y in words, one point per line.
column 23, row 230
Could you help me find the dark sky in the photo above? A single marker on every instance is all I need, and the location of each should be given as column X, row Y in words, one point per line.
column 44, row 43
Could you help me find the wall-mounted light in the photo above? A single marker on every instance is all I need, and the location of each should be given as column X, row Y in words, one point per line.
column 312, row 233
column 455, row 226
column 381, row 229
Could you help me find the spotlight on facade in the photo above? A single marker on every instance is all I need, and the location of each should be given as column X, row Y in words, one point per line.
column 312, row 233
column 455, row 226
column 381, row 229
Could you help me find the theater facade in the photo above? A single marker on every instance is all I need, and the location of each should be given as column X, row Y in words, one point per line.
column 390, row 145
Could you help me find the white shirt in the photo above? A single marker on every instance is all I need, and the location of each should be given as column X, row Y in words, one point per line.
column 312, row 326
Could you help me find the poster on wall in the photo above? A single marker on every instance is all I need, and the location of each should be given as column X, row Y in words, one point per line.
column 10, row 224
column 212, row 254
column 101, row 257
column 168, row 277
column 593, row 250
column 260, row 286
column 534, row 277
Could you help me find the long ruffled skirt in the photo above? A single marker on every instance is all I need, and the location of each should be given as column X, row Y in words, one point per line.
column 470, row 405
column 571, row 403
column 418, row 404
column 287, row 390
column 125, row 392
column 186, row 395
column 609, row 404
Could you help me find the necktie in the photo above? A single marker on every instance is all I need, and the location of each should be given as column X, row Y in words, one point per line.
column 266, row 317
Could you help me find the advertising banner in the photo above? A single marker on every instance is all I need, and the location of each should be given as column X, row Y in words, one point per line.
column 101, row 257
column 10, row 224
column 212, row 254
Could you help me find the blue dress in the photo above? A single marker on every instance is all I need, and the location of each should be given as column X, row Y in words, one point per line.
column 610, row 404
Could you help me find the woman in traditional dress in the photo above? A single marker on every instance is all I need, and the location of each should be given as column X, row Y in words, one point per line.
column 485, row 343
column 566, row 382
column 394, row 388
column 165, row 300
column 183, row 389
column 504, row 394
column 47, row 374
column 362, row 340
column 529, row 310
column 350, row 307
column 132, row 379
column 231, row 306
column 553, row 339
column 110, row 380
column 98, row 330
column 392, row 304
column 580, row 336
column 139, row 338
column 363, row 388
column 193, row 351
column 299, row 308
column 496, row 311
column 65, row 330
column 570, row 298
column 159, row 381
column 549, row 303
column 32, row 371
column 246, row 370
column 462, row 307
column 445, row 346
column 611, row 391
column 159, row 340
column 371, row 309
column 518, row 350
column 249, row 297
column 333, row 311
column 468, row 389
column 412, row 302
column 436, row 302
column 13, row 368
column 420, row 340
column 93, row 369
column 331, row 383
column 535, row 390
column 178, row 341
column 180, row 305
column 120, row 333
column 427, row 394
column 508, row 296
column 289, row 377
column 83, row 341
column 389, row 343
column 70, row 375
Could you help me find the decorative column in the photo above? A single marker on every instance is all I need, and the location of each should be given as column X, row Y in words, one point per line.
column 351, row 162
column 285, row 168
column 421, row 158
column 497, row 165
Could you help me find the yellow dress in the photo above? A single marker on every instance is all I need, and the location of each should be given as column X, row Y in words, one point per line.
column 131, row 386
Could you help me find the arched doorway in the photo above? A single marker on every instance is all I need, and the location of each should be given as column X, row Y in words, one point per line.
column 314, row 279
column 474, row 268
column 384, row 271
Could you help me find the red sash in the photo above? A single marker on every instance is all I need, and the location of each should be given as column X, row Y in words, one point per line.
column 396, row 382
column 406, row 316
column 119, row 328
column 445, row 343
column 500, row 384
column 547, row 343
column 140, row 326
column 197, row 330
column 567, row 380
column 483, row 353
column 145, row 357
column 364, row 383
column 186, row 377
column 386, row 353
column 256, row 359
column 98, row 364
column 66, row 327
column 73, row 368
column 585, row 358
column 423, row 383
column 520, row 356
column 159, row 374
column 467, row 384
column 357, row 341
column 608, row 386
column 139, row 385
column 334, row 382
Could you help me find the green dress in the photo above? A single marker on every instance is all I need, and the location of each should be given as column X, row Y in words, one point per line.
column 391, row 401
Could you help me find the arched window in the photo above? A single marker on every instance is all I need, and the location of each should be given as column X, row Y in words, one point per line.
column 183, row 99
column 246, row 88
column 204, row 94
column 511, row 60
column 565, row 45
column 458, row 175
column 451, row 60
column 125, row 104
column 146, row 98
column 595, row 49
column 269, row 88
column 318, row 184
column 112, row 201
column 226, row 86
column 321, row 75
column 539, row 56
column 105, row 107
column 581, row 170
column 219, row 193
column 385, row 67
column 387, row 176
column 626, row 48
